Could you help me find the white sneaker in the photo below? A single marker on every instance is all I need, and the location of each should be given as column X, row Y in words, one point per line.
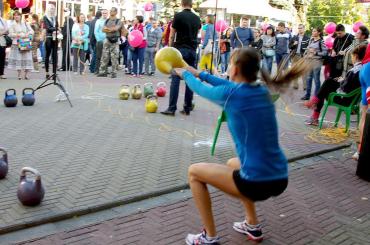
column 253, row 233
column 60, row 97
column 356, row 156
column 201, row 239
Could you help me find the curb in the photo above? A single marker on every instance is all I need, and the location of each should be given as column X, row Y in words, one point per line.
column 132, row 199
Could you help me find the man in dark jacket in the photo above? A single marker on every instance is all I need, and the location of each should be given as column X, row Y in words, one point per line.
column 298, row 45
column 282, row 45
column 93, row 41
column 341, row 43
column 66, row 42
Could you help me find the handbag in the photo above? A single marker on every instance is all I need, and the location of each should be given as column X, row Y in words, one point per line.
column 208, row 48
column 25, row 44
column 8, row 41
column 269, row 52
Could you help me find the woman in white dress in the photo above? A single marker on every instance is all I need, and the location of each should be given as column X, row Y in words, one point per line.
column 20, row 60
column 3, row 32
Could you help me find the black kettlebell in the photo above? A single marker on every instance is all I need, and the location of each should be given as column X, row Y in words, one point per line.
column 28, row 98
column 3, row 163
column 30, row 192
column 10, row 99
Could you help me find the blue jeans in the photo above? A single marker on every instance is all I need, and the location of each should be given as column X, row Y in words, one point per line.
column 225, row 57
column 313, row 75
column 280, row 58
column 189, row 56
column 138, row 57
column 267, row 63
column 125, row 55
column 93, row 59
column 42, row 50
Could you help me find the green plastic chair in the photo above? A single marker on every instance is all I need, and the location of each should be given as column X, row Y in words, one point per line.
column 354, row 106
column 223, row 118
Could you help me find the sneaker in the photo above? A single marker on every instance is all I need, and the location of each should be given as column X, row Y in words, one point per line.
column 253, row 233
column 312, row 121
column 310, row 104
column 114, row 75
column 200, row 239
column 356, row 156
column 305, row 97
column 133, row 75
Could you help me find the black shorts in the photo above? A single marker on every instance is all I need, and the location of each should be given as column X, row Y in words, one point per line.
column 259, row 191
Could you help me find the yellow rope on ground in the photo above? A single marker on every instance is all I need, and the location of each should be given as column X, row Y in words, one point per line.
column 328, row 136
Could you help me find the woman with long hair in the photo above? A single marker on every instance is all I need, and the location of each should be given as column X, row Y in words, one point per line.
column 139, row 52
column 49, row 24
column 225, row 50
column 20, row 59
column 80, row 43
column 35, row 25
column 316, row 50
column 268, row 48
column 261, row 169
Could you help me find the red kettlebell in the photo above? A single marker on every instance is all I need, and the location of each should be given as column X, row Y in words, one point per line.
column 30, row 192
column 3, row 163
column 161, row 89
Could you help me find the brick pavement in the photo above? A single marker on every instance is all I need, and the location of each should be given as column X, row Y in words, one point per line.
column 105, row 151
column 325, row 203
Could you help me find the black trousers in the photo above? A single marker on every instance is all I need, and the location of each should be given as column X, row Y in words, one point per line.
column 329, row 86
column 49, row 48
column 66, row 54
column 2, row 60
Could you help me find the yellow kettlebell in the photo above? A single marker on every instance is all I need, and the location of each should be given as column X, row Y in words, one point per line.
column 124, row 92
column 136, row 92
column 151, row 104
column 168, row 58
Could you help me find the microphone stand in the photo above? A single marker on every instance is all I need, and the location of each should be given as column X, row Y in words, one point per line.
column 54, row 78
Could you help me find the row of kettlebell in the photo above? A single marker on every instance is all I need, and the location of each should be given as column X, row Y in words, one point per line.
column 136, row 91
column 30, row 192
column 11, row 100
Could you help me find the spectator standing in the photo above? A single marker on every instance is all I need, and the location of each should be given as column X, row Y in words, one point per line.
column 316, row 50
column 124, row 46
column 93, row 40
column 35, row 25
column 225, row 50
column 100, row 38
column 80, row 44
column 153, row 46
column 361, row 37
column 268, row 48
column 242, row 35
column 185, row 27
column 341, row 43
column 112, row 29
column 258, row 42
column 50, row 23
column 88, row 23
column 139, row 52
column 298, row 45
column 282, row 45
column 66, row 42
column 4, row 30
column 20, row 60
column 208, row 48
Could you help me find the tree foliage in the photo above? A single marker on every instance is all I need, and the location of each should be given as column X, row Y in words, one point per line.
column 338, row 11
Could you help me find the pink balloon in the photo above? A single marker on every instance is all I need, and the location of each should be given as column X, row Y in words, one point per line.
column 135, row 38
column 329, row 42
column 21, row 4
column 264, row 26
column 148, row 7
column 221, row 26
column 356, row 26
column 330, row 28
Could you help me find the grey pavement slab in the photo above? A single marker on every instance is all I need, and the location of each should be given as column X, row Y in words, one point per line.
column 104, row 151
column 325, row 203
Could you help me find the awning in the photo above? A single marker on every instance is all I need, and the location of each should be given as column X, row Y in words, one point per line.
column 281, row 15
column 211, row 4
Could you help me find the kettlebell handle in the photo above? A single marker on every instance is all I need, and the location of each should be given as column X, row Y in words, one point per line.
column 137, row 86
column 152, row 96
column 161, row 84
column 26, row 89
column 8, row 90
column 30, row 170
column 148, row 84
column 5, row 154
column 125, row 86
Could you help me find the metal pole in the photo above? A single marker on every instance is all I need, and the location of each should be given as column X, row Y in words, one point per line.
column 213, row 38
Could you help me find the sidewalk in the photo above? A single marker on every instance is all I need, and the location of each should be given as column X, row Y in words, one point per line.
column 325, row 203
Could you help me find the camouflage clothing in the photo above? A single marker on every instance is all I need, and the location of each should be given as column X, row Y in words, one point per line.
column 110, row 53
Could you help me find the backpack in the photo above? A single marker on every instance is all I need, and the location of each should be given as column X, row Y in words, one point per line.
column 113, row 39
